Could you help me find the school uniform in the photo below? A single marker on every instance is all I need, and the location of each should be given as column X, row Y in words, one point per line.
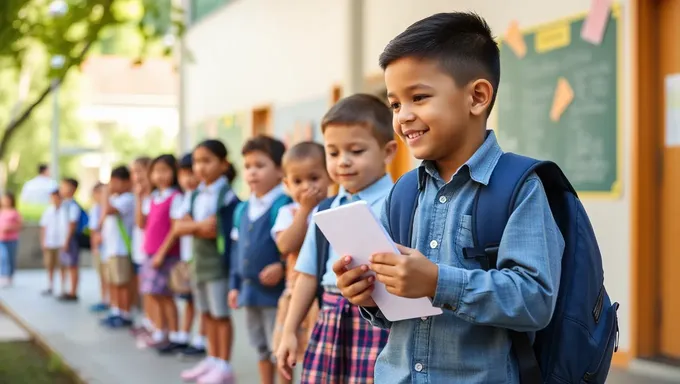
column 138, row 254
column 343, row 347
column 93, row 224
column 255, row 250
column 52, row 223
column 209, row 268
column 116, row 232
column 180, row 276
column 70, row 214
column 469, row 342
column 155, row 280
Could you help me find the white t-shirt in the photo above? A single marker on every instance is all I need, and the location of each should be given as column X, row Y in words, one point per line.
column 285, row 218
column 186, row 241
column 53, row 223
column 94, row 216
column 38, row 190
column 138, row 255
column 114, row 245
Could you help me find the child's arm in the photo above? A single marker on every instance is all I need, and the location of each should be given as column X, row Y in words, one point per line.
column 290, row 239
column 140, row 216
column 73, row 214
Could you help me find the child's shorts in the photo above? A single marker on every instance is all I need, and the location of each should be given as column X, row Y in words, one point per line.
column 118, row 270
column 261, row 322
column 70, row 258
column 211, row 297
column 188, row 297
column 51, row 258
column 135, row 269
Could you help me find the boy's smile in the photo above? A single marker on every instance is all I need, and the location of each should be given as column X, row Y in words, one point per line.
column 435, row 116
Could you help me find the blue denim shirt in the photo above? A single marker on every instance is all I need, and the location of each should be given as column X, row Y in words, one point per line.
column 469, row 342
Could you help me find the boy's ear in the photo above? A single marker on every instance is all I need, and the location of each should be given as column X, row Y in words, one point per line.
column 390, row 150
column 481, row 92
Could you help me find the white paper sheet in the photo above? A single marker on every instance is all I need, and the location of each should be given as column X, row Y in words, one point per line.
column 353, row 230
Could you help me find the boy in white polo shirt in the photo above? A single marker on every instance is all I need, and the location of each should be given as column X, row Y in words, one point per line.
column 118, row 217
column 52, row 239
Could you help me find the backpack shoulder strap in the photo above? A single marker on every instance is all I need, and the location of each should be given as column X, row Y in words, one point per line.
column 238, row 213
column 322, row 249
column 402, row 202
column 491, row 210
column 194, row 195
column 281, row 201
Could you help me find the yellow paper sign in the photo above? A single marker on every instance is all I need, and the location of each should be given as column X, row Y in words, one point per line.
column 564, row 95
column 515, row 40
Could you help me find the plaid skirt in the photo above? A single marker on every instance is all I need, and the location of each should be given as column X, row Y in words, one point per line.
column 343, row 347
column 156, row 281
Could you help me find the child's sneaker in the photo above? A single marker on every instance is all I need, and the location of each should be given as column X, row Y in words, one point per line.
column 205, row 366
column 171, row 348
column 192, row 352
column 99, row 307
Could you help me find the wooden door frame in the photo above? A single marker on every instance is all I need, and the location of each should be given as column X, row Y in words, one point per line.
column 645, row 190
column 266, row 108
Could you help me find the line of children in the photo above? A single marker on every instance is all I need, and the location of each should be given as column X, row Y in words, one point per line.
column 96, row 248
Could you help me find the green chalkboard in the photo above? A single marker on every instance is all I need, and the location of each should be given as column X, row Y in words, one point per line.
column 585, row 140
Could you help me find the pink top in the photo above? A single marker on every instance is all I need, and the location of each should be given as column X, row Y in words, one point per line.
column 158, row 225
column 9, row 218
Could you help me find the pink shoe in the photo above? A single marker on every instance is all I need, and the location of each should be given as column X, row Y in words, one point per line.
column 218, row 375
column 205, row 366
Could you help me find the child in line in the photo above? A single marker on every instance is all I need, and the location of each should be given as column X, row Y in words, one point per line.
column 208, row 218
column 162, row 250
column 188, row 182
column 307, row 180
column 10, row 227
column 69, row 256
column 117, row 222
column 52, row 239
column 141, row 186
column 258, row 271
column 441, row 95
column 96, row 248
column 359, row 144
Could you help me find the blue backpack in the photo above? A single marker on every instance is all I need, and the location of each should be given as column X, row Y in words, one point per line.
column 578, row 344
column 82, row 234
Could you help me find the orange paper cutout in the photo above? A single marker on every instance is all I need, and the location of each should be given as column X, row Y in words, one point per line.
column 515, row 39
column 564, row 95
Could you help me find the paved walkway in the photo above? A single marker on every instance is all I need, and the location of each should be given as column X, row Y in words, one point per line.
column 102, row 356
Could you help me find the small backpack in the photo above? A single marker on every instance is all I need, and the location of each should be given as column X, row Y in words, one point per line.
column 82, row 234
column 278, row 203
column 578, row 344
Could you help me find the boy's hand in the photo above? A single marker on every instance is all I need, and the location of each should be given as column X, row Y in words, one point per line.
column 353, row 284
column 410, row 274
column 272, row 274
column 286, row 355
column 311, row 198
column 232, row 299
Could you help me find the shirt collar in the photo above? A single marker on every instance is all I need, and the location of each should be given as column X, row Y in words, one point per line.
column 268, row 198
column 479, row 166
column 214, row 187
column 371, row 194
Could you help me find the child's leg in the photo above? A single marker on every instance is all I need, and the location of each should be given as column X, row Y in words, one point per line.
column 74, row 274
column 62, row 273
column 189, row 313
column 257, row 333
column 49, row 260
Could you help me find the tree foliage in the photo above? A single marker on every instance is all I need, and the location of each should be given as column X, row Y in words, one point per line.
column 27, row 26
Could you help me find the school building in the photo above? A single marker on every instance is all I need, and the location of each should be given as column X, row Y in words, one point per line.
column 603, row 104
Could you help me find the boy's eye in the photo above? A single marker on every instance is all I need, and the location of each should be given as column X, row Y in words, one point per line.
column 358, row 151
column 395, row 105
column 297, row 181
column 417, row 98
column 332, row 154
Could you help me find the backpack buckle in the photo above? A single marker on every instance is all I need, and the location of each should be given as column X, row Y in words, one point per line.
column 486, row 256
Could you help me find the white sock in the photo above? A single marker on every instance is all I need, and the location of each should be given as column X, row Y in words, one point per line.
column 115, row 311
column 223, row 365
column 158, row 336
column 176, row 337
column 125, row 315
column 198, row 342
column 146, row 323
column 182, row 338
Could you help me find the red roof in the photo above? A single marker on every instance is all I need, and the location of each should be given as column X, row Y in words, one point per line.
column 119, row 75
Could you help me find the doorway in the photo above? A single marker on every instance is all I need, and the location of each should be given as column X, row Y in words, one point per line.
column 656, row 186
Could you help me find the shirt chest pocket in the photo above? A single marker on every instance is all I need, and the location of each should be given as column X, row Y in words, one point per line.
column 464, row 240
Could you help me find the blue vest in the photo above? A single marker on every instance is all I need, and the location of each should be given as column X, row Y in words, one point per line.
column 256, row 249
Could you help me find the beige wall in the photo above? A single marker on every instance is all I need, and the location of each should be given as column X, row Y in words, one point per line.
column 302, row 56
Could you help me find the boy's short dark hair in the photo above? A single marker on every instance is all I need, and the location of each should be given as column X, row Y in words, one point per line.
column 42, row 167
column 362, row 109
column 121, row 172
column 97, row 186
column 461, row 42
column 71, row 181
column 305, row 150
column 186, row 162
column 270, row 146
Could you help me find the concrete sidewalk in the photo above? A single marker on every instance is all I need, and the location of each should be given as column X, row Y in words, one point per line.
column 103, row 356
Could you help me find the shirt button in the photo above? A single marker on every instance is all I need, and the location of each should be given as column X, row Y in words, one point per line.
column 442, row 199
column 433, row 244
column 419, row 367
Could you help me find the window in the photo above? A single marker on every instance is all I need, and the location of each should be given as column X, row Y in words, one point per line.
column 202, row 8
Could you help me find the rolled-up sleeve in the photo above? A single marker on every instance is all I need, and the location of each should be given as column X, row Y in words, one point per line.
column 307, row 259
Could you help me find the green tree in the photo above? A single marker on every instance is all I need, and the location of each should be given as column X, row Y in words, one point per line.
column 30, row 25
